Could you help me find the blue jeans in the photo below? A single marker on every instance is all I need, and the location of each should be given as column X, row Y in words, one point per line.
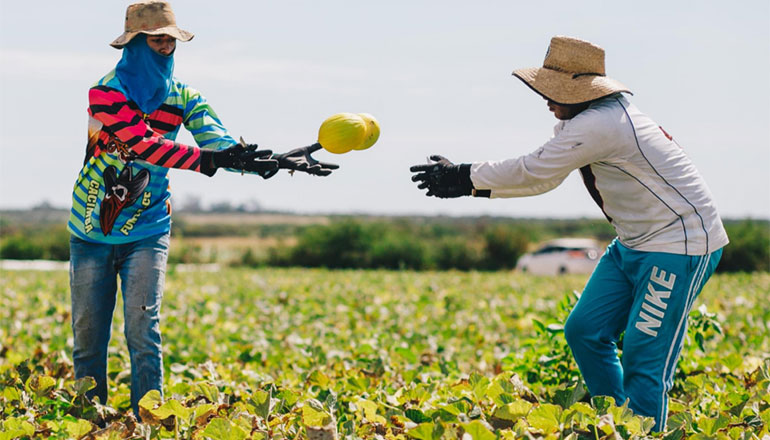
column 647, row 295
column 94, row 270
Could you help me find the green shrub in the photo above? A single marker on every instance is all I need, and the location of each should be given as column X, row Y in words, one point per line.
column 396, row 251
column 251, row 259
column 749, row 248
column 188, row 254
column 280, row 256
column 48, row 243
column 456, row 253
column 18, row 247
column 343, row 244
column 503, row 247
column 57, row 244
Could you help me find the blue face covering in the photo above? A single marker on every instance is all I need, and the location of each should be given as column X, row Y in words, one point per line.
column 145, row 74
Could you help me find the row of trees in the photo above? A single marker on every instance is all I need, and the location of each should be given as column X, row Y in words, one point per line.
column 356, row 244
column 417, row 243
column 492, row 246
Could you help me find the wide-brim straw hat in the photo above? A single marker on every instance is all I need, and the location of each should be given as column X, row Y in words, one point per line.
column 572, row 73
column 151, row 17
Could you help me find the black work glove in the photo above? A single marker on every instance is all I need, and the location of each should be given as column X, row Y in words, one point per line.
column 300, row 159
column 242, row 157
column 443, row 179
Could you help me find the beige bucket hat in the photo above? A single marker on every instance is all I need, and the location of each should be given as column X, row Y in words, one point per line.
column 152, row 17
column 572, row 73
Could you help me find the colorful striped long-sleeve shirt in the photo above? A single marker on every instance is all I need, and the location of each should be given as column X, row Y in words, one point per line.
column 122, row 192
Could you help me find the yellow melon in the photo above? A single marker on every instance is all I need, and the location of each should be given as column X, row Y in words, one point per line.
column 342, row 132
column 372, row 131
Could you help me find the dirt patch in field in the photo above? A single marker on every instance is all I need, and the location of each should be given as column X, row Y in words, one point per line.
column 34, row 265
column 252, row 219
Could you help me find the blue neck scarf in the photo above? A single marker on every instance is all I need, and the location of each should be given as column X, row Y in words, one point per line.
column 145, row 74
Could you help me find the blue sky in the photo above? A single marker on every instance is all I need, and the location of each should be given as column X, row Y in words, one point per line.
column 436, row 74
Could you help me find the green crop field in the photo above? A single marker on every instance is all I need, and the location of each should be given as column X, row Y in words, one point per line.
column 293, row 353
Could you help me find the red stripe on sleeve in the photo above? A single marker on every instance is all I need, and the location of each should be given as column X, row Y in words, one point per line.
column 193, row 163
column 178, row 155
column 165, row 146
column 112, row 109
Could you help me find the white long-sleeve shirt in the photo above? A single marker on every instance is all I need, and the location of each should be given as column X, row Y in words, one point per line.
column 642, row 180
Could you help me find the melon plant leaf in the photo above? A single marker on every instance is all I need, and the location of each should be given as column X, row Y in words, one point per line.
column 17, row 427
column 172, row 407
column 315, row 416
column 478, row 431
column 546, row 417
column 407, row 354
column 369, row 410
column 680, row 420
column 222, row 429
column 261, row 401
column 79, row 428
column 423, row 431
column 150, row 400
column 41, row 384
column 602, row 404
column 765, row 416
column 83, row 385
column 318, row 378
column 514, row 410
column 479, row 385
column 710, row 425
column 207, row 390
column 201, row 414
column 416, row 416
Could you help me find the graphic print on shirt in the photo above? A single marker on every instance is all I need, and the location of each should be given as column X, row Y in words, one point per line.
column 121, row 149
column 665, row 133
column 120, row 191
column 92, row 146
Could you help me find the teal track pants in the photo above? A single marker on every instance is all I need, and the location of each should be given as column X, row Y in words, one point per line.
column 647, row 295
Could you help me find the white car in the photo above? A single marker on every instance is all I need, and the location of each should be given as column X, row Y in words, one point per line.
column 562, row 256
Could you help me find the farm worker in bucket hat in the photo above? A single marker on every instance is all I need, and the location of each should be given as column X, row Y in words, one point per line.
column 669, row 234
column 121, row 211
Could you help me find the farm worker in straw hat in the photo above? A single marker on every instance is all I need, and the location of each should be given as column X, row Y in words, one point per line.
column 120, row 218
column 669, row 235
